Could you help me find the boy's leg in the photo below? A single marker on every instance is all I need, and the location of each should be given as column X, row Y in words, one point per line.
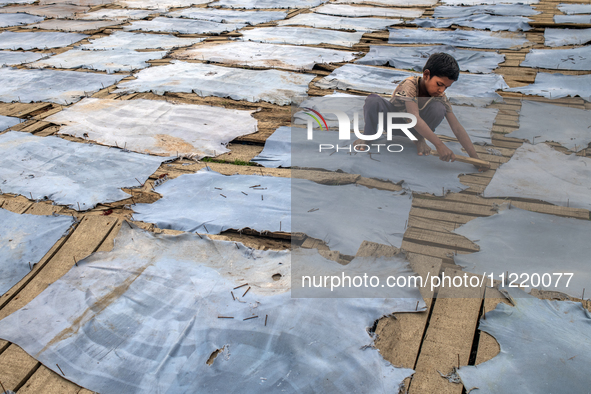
column 375, row 104
column 432, row 114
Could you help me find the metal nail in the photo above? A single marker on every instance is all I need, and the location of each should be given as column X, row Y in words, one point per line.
column 75, row 261
column 266, row 316
column 233, row 298
column 246, row 284
column 252, row 317
column 225, row 317
column 60, row 370
column 245, row 292
column 222, row 195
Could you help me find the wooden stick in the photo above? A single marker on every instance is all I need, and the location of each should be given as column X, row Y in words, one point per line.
column 468, row 160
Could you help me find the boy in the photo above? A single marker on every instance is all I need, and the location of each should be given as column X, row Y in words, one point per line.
column 423, row 97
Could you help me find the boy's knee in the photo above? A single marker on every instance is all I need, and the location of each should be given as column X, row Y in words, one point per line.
column 373, row 100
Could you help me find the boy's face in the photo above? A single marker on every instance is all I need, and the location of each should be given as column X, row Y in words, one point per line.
column 436, row 85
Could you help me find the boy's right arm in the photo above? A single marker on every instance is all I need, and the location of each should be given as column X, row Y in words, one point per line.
column 423, row 129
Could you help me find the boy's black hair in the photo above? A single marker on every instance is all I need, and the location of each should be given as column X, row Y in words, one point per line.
column 443, row 65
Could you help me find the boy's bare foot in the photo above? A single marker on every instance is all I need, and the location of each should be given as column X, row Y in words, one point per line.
column 422, row 148
column 359, row 142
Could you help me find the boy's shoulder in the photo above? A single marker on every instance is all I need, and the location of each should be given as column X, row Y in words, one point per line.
column 409, row 87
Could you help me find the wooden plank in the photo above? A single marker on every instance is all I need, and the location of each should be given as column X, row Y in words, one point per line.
column 473, row 179
column 445, row 254
column 46, row 381
column 452, row 206
column 87, row 237
column 431, row 224
column 488, row 347
column 449, row 337
column 456, row 218
column 540, row 207
column 399, row 338
column 18, row 204
column 43, row 208
column 440, row 239
column 15, row 367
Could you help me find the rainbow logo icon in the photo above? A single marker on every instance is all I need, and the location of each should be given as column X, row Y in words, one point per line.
column 315, row 118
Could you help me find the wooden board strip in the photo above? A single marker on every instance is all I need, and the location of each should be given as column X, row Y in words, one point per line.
column 452, row 206
column 488, row 347
column 448, row 337
column 540, row 207
column 87, row 237
column 15, row 367
column 456, row 218
column 46, row 381
column 399, row 337
column 446, row 255
column 440, row 239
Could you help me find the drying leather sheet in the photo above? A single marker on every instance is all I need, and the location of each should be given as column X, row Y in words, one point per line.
column 335, row 22
column 256, row 54
column 144, row 319
column 391, row 3
column 556, row 332
column 531, row 243
column 559, row 59
column 69, row 173
column 562, row 37
column 229, row 16
column 301, row 36
column 7, row 2
column 252, row 4
column 111, row 60
column 24, row 240
column 570, row 9
column 557, row 85
column 8, row 121
column 125, row 40
column 49, row 11
column 479, row 21
column 379, row 80
column 77, row 2
column 348, row 10
column 414, row 58
column 477, row 122
column 576, row 19
column 156, row 127
column 421, row 174
column 458, row 38
column 7, row 20
column 277, row 150
column 115, row 14
column 540, row 122
column 447, row 11
column 38, row 40
column 208, row 202
column 161, row 5
column 184, row 26
column 274, row 86
column 12, row 58
column 74, row 25
column 56, row 86
column 488, row 2
column 542, row 173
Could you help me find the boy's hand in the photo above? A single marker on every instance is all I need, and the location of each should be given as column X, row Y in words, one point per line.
column 445, row 153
